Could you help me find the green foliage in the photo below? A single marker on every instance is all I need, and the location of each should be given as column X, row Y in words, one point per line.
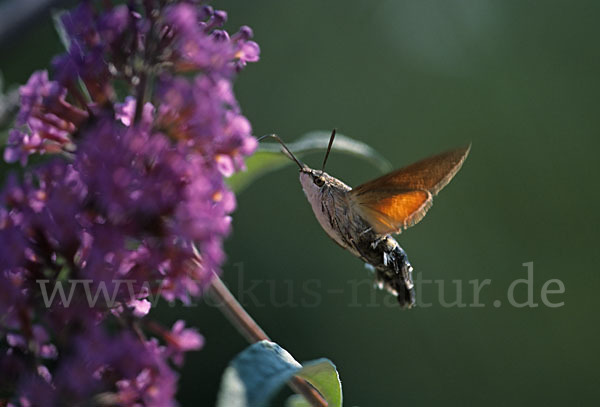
column 60, row 29
column 269, row 158
column 322, row 374
column 257, row 373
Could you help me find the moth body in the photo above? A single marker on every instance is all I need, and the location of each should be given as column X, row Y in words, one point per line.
column 362, row 219
column 335, row 210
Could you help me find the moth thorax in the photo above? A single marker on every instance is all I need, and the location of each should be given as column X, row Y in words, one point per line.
column 321, row 206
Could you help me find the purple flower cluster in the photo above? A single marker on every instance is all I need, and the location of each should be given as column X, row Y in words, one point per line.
column 138, row 126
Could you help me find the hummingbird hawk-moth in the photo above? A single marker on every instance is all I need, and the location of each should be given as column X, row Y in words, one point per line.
column 362, row 219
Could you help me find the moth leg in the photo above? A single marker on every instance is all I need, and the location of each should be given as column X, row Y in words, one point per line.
column 377, row 241
column 386, row 259
column 379, row 280
column 366, row 231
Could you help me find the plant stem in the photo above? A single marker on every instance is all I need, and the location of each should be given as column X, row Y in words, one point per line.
column 141, row 92
column 249, row 329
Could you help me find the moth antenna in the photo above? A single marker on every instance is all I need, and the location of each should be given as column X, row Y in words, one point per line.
column 328, row 150
column 287, row 151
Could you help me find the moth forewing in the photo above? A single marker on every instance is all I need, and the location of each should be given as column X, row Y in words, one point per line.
column 400, row 199
column 430, row 174
column 392, row 212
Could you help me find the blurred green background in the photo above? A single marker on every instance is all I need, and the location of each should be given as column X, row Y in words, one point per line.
column 411, row 78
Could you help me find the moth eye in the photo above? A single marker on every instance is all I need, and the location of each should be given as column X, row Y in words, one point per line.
column 319, row 181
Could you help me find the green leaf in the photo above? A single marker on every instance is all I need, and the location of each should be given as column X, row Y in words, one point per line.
column 256, row 374
column 65, row 40
column 269, row 158
column 297, row 400
column 60, row 28
column 9, row 103
column 257, row 165
column 323, row 375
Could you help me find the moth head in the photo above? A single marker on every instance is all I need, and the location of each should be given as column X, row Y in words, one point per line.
column 311, row 176
column 315, row 182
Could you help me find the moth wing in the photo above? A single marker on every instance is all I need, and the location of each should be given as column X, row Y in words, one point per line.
column 392, row 211
column 431, row 174
column 400, row 199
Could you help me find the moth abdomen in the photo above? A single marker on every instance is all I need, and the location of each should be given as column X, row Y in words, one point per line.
column 393, row 271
